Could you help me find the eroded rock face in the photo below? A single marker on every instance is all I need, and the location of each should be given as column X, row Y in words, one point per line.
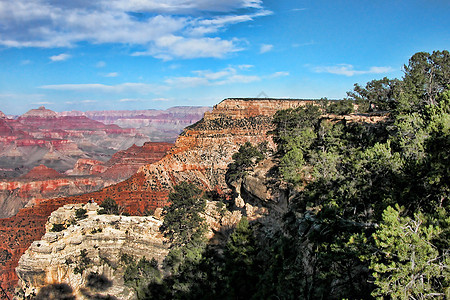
column 125, row 163
column 99, row 240
column 88, row 175
column 41, row 136
column 22, row 192
column 204, row 150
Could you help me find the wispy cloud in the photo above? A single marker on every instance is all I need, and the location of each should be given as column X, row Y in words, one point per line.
column 265, row 48
column 169, row 47
column 296, row 45
column 163, row 29
column 112, row 74
column 43, row 103
column 278, row 74
column 101, row 64
column 229, row 75
column 130, row 100
column 245, row 67
column 349, row 70
column 60, row 57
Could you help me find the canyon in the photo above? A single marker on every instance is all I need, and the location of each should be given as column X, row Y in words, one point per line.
column 158, row 125
column 201, row 155
column 42, row 137
column 88, row 175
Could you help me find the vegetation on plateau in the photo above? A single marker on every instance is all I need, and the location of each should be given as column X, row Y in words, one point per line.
column 369, row 217
column 110, row 207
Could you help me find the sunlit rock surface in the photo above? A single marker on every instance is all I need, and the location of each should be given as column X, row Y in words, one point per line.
column 103, row 239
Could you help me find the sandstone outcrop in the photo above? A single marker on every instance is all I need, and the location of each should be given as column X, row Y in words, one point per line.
column 87, row 248
column 19, row 231
column 203, row 150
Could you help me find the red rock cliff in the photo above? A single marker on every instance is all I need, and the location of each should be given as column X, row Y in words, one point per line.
column 201, row 155
column 203, row 151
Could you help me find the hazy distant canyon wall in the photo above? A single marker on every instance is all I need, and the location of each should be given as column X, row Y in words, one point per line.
column 158, row 125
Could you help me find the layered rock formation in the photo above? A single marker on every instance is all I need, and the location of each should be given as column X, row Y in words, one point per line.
column 19, row 231
column 87, row 176
column 41, row 136
column 124, row 163
column 201, row 155
column 88, row 249
column 158, row 125
column 203, row 151
column 34, row 187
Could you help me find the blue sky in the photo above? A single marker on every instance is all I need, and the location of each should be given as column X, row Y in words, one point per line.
column 143, row 54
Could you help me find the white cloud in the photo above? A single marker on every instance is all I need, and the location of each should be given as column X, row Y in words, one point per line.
column 279, row 74
column 229, row 75
column 88, row 101
column 265, row 48
column 169, row 47
column 225, row 76
column 187, row 81
column 43, row 103
column 11, row 98
column 112, row 74
column 348, row 70
column 298, row 9
column 245, row 67
column 164, row 29
column 310, row 43
column 60, row 57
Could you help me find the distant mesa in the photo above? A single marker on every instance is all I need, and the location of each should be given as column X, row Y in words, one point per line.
column 42, row 172
column 2, row 115
column 41, row 112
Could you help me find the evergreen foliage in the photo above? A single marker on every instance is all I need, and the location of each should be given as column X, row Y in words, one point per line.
column 80, row 213
column 247, row 156
column 370, row 212
column 110, row 207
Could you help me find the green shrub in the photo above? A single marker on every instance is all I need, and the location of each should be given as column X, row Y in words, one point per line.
column 81, row 213
column 110, row 207
column 58, row 227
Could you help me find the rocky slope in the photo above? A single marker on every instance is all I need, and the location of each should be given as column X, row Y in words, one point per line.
column 124, row 163
column 89, row 250
column 41, row 136
column 87, row 176
column 31, row 189
column 158, row 125
column 203, row 151
column 94, row 245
